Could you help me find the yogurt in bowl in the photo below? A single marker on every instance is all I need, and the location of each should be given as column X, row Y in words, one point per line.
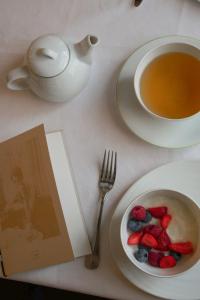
column 183, row 227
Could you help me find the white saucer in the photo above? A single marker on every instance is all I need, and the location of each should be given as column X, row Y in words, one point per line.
column 154, row 131
column 180, row 176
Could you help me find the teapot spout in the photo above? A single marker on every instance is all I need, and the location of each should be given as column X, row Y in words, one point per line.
column 86, row 47
column 91, row 41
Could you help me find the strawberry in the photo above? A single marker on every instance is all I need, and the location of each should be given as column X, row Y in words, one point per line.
column 167, row 262
column 138, row 213
column 149, row 240
column 155, row 230
column 183, row 248
column 134, row 238
column 163, row 241
column 164, row 222
column 154, row 258
column 158, row 212
column 160, row 247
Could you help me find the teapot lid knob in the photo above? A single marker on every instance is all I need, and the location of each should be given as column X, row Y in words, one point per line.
column 48, row 56
column 47, row 52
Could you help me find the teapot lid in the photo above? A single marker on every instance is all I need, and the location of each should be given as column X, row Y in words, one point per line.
column 48, row 55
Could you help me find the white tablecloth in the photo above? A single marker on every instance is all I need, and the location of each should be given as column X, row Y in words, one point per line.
column 90, row 122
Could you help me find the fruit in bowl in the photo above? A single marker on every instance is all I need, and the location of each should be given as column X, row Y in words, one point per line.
column 154, row 243
column 160, row 233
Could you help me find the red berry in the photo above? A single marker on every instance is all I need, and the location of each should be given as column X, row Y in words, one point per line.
column 138, row 213
column 183, row 248
column 154, row 258
column 167, row 262
column 163, row 241
column 164, row 222
column 160, row 247
column 134, row 238
column 155, row 230
column 149, row 240
column 158, row 212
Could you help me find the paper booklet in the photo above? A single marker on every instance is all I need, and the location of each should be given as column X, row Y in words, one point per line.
column 40, row 218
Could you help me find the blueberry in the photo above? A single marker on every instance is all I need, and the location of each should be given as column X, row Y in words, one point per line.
column 141, row 255
column 148, row 217
column 144, row 247
column 134, row 225
column 176, row 255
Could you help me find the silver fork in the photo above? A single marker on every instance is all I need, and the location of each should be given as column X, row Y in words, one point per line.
column 106, row 182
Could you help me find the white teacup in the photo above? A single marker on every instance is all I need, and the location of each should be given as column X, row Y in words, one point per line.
column 148, row 58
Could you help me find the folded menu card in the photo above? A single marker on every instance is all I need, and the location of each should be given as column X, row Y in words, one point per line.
column 40, row 219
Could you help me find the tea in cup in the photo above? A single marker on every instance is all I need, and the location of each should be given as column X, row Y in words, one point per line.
column 167, row 81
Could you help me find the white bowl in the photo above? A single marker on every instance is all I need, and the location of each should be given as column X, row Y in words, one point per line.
column 184, row 226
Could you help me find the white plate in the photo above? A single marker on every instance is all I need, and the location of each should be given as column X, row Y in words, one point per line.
column 155, row 131
column 180, row 176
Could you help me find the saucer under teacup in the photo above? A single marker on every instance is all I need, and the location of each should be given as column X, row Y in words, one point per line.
column 156, row 131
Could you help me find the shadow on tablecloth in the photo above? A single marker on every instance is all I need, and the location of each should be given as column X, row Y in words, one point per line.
column 25, row 291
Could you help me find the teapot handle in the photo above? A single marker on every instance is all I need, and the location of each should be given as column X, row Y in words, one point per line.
column 17, row 79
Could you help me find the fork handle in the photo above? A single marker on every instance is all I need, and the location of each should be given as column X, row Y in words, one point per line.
column 92, row 261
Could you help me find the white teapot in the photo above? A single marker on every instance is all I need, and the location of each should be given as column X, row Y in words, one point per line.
column 54, row 70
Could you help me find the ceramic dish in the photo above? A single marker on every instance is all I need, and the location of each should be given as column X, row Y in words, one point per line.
column 153, row 130
column 179, row 176
column 184, row 226
column 148, row 58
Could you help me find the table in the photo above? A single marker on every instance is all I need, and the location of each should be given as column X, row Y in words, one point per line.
column 90, row 122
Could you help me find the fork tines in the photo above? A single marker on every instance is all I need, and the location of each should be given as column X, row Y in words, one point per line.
column 109, row 167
